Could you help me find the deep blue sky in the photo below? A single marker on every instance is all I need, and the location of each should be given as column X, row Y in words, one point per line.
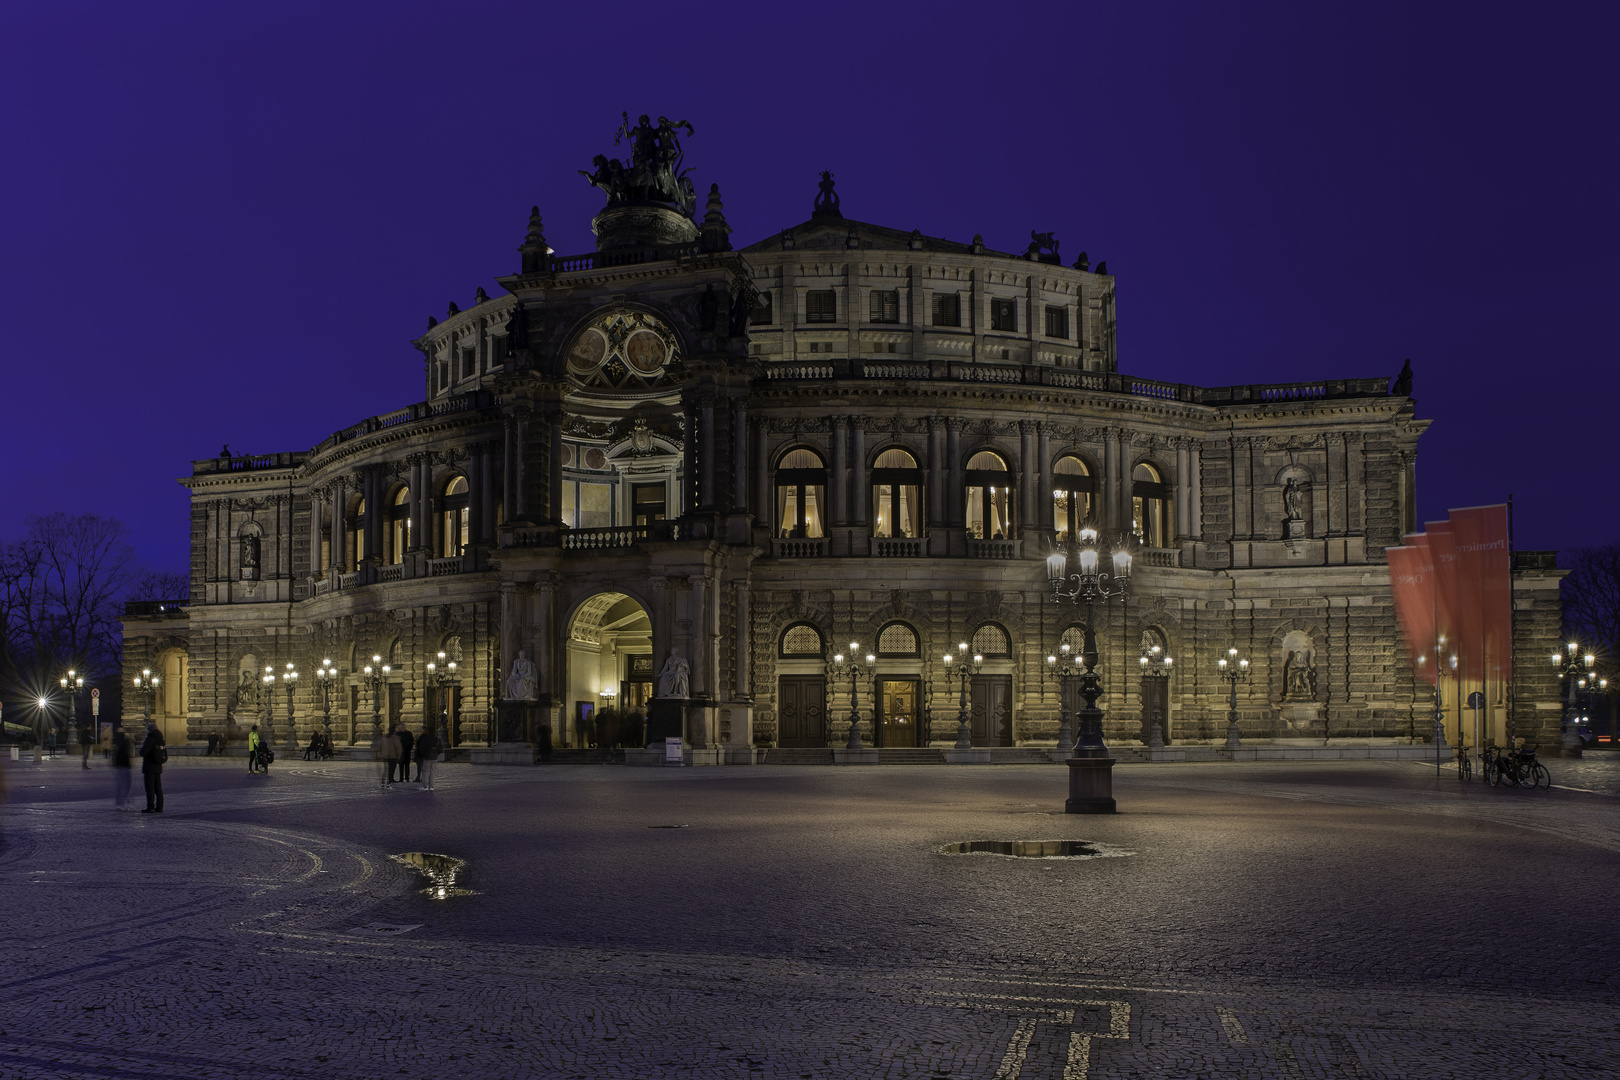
column 226, row 224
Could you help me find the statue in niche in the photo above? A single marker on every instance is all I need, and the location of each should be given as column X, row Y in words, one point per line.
column 1299, row 675
column 247, row 687
column 675, row 679
column 1293, row 499
column 250, row 556
column 523, row 684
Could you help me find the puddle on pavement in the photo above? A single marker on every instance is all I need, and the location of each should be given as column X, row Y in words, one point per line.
column 1036, row 849
column 440, row 870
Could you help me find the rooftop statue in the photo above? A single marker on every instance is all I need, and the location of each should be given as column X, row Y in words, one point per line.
column 653, row 173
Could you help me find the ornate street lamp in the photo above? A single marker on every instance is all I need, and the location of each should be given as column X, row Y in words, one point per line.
column 72, row 682
column 1579, row 677
column 376, row 673
column 442, row 673
column 855, row 670
column 288, row 679
column 145, row 684
column 1234, row 669
column 964, row 671
column 326, row 675
column 1078, row 574
column 269, row 680
column 1066, row 666
column 1155, row 664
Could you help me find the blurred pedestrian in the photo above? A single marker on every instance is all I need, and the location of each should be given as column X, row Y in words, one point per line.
column 213, row 744
column 153, row 755
column 84, row 746
column 121, row 769
column 545, row 742
column 390, row 756
column 427, row 755
column 407, row 742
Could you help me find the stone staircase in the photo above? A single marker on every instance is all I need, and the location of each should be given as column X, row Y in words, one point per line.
column 902, row 755
column 1018, row 755
column 602, row 756
column 798, row 756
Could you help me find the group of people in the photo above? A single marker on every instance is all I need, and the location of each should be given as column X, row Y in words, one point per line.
column 154, row 753
column 216, row 744
column 397, row 749
column 320, row 747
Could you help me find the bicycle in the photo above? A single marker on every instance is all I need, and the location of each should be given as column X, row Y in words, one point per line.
column 1465, row 767
column 1499, row 766
column 1532, row 773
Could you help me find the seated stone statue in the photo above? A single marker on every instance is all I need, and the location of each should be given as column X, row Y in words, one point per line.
column 523, row 684
column 674, row 679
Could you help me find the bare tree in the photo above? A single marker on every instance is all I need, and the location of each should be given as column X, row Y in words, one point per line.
column 61, row 592
column 1591, row 596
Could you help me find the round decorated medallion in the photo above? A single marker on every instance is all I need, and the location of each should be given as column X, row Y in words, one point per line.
column 595, row 459
column 588, row 350
column 645, row 352
column 568, row 454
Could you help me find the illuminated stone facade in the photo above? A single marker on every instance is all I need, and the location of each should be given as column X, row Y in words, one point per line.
column 750, row 458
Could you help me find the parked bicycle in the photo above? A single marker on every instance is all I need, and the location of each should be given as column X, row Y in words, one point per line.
column 1518, row 769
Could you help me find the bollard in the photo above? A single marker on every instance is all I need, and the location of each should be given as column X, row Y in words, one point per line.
column 15, row 755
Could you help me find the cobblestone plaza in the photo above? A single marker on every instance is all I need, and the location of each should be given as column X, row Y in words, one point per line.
column 1347, row 919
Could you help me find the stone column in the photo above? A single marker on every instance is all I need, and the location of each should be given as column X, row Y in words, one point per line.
column 857, row 466
column 743, row 690
column 475, row 496
column 936, row 472
column 690, row 495
column 706, row 497
column 660, row 617
column 374, row 515
column 1183, row 489
column 739, row 458
column 509, row 470
column 697, row 614
column 486, row 454
column 837, row 493
column 339, row 561
column 763, row 503
column 413, row 482
column 1043, row 478
column 1110, row 478
column 548, row 658
column 1242, row 485
column 509, row 636
column 316, row 506
column 1027, row 474
column 554, row 451
column 1195, row 492
column 953, row 463
column 426, row 504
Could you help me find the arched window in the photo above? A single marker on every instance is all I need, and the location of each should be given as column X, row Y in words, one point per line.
column 454, row 518
column 989, row 497
column 991, row 640
column 1072, row 486
column 801, row 494
column 802, row 640
column 897, row 639
column 1150, row 507
column 896, row 495
column 1075, row 638
column 399, row 525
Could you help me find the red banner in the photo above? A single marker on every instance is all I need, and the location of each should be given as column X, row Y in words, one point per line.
column 1411, row 581
column 1485, row 588
column 1442, row 550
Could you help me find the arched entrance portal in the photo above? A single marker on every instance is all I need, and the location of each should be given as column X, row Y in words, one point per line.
column 610, row 673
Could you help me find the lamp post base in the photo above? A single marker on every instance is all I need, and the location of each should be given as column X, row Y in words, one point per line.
column 1091, row 783
column 1233, row 742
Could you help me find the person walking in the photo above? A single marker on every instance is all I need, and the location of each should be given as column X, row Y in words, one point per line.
column 121, row 769
column 153, row 755
column 253, row 749
column 427, row 755
column 390, row 756
column 84, row 745
column 213, row 744
column 407, row 742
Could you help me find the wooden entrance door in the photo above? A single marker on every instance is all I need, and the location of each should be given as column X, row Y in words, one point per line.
column 801, row 711
column 896, row 712
column 396, row 706
column 990, row 710
column 1155, row 700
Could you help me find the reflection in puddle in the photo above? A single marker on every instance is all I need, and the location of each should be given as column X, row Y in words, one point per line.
column 1037, row 849
column 440, row 870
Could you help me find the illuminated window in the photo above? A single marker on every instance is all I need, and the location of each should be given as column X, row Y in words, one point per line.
column 801, row 495
column 1072, row 486
column 801, row 639
column 896, row 495
column 989, row 497
column 1150, row 507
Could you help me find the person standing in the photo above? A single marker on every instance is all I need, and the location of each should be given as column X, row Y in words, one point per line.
column 84, row 746
column 253, row 749
column 153, row 755
column 427, row 755
column 407, row 742
column 121, row 769
column 390, row 756
column 213, row 744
